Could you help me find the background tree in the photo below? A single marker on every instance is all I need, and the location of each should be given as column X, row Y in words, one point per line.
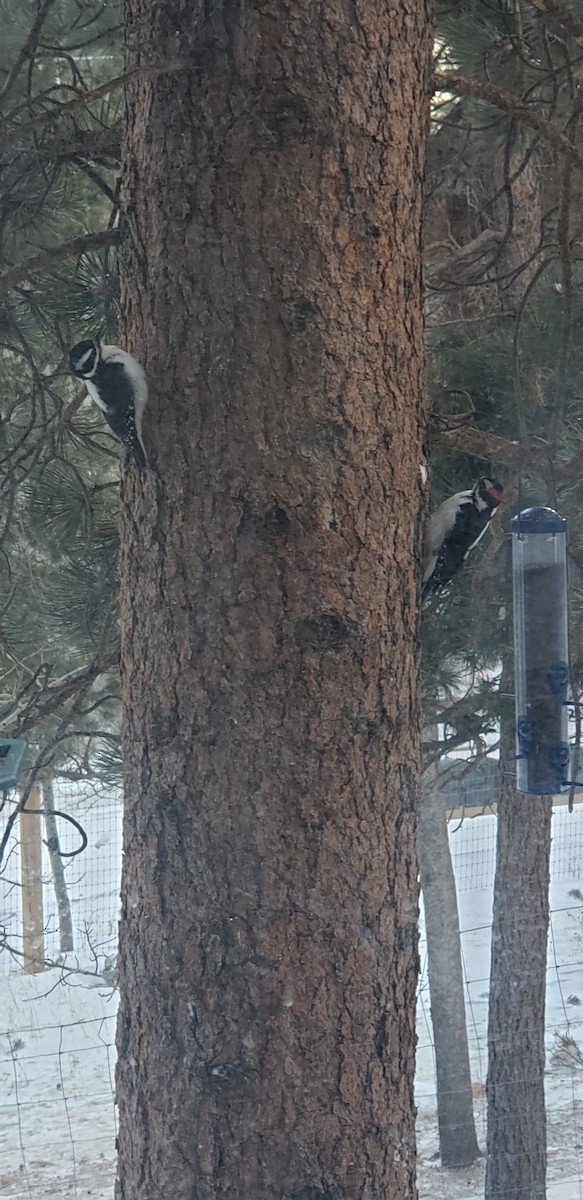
column 58, row 537
column 455, row 1116
column 269, row 614
column 59, row 640
column 504, row 221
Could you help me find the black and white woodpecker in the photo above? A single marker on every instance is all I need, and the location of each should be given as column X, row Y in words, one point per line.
column 454, row 529
column 117, row 384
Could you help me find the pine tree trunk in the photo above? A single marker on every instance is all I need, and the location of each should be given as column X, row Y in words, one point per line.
column 455, row 1106
column 271, row 281
column 516, row 1153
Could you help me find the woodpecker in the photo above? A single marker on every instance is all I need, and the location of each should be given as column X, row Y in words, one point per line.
column 454, row 529
column 117, row 384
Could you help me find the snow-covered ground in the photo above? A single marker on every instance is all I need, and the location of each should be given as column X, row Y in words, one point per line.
column 57, row 1062
column 57, row 1029
column 473, row 848
column 57, row 1117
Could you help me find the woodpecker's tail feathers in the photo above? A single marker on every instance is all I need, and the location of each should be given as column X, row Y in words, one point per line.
column 138, row 454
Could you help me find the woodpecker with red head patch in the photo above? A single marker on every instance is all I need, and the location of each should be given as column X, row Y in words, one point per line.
column 454, row 529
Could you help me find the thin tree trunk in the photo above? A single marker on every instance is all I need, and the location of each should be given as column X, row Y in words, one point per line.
column 271, row 280
column 455, row 1108
column 57, row 869
column 516, row 1153
column 516, row 1162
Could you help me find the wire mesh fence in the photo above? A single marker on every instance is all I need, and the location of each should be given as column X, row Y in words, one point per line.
column 473, row 847
column 89, row 888
column 57, row 1030
column 57, row 1117
column 58, row 1006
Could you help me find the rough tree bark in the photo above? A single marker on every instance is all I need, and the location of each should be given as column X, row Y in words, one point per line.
column 516, row 1148
column 458, row 1143
column 271, row 283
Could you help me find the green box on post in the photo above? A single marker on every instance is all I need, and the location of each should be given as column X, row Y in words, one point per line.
column 12, row 752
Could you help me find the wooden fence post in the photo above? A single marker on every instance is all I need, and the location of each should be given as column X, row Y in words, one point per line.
column 33, row 942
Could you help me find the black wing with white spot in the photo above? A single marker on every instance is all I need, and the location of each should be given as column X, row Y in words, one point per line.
column 120, row 414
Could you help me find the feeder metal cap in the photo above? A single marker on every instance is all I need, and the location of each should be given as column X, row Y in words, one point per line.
column 538, row 520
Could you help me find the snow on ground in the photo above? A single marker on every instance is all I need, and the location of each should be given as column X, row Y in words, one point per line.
column 57, row 1121
column 57, row 1117
column 473, row 849
column 57, row 1029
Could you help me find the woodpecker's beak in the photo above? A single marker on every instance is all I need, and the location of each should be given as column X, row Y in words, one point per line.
column 495, row 493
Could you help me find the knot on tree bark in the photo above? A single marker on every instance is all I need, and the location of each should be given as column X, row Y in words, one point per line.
column 326, row 631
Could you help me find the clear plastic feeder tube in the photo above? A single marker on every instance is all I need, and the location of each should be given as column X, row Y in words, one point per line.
column 541, row 651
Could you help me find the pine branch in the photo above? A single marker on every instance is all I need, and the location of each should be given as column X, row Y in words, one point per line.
column 467, row 255
column 467, row 706
column 568, row 19
column 96, row 180
column 567, row 472
column 498, row 537
column 460, row 85
column 488, row 446
column 73, row 47
column 28, row 49
column 84, row 680
column 47, row 116
column 433, row 751
column 47, row 258
column 491, row 448
column 24, row 714
column 93, row 144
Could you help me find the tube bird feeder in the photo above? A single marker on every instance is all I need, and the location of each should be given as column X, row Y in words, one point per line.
column 541, row 651
column 12, row 752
